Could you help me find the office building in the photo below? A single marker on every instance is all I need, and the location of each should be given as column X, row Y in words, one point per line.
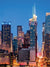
column 20, row 36
column 4, row 59
column 6, row 33
column 19, row 28
column 47, row 36
column 20, row 39
column 33, row 32
column 47, row 39
column 14, row 42
column 26, row 39
column 43, row 38
column 24, row 55
column 32, row 54
column 43, row 32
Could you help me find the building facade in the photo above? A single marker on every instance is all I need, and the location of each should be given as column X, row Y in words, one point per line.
column 6, row 34
column 24, row 55
column 26, row 39
column 43, row 38
column 33, row 32
column 19, row 28
column 47, row 40
column 14, row 42
column 47, row 36
column 43, row 32
column 20, row 39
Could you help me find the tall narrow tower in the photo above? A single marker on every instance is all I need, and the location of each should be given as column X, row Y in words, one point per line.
column 33, row 31
column 6, row 33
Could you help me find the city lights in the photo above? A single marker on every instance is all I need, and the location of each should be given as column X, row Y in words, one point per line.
column 24, row 37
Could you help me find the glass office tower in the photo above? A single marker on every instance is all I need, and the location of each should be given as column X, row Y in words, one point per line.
column 33, row 32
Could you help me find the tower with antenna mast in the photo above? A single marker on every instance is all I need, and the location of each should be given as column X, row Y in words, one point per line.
column 33, row 32
column 34, row 18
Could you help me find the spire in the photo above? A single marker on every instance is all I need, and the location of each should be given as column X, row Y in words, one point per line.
column 34, row 14
column 34, row 10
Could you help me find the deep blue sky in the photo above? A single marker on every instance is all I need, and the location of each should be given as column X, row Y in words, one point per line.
column 20, row 11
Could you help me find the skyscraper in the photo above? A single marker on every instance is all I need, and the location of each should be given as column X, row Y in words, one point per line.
column 43, row 32
column 20, row 39
column 6, row 33
column 26, row 39
column 14, row 45
column 20, row 36
column 19, row 28
column 24, row 55
column 47, row 36
column 33, row 32
column 43, row 38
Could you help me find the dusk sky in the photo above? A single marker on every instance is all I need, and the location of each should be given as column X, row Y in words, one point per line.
column 20, row 11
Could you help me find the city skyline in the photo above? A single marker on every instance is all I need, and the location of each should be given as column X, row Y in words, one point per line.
column 19, row 12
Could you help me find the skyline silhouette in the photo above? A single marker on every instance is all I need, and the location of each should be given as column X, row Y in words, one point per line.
column 20, row 11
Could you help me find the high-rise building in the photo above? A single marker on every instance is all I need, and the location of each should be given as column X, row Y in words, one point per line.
column 43, row 32
column 43, row 38
column 26, row 39
column 21, row 39
column 4, row 58
column 33, row 32
column 32, row 55
column 20, row 36
column 24, row 55
column 14, row 45
column 47, row 36
column 6, row 33
column 19, row 28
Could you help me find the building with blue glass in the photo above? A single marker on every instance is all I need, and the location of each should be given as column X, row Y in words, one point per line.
column 33, row 32
column 14, row 45
column 32, row 35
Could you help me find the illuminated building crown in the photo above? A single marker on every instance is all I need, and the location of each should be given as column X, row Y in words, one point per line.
column 34, row 16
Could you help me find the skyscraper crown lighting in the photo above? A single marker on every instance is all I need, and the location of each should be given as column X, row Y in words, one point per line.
column 5, row 22
column 34, row 15
column 47, row 14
